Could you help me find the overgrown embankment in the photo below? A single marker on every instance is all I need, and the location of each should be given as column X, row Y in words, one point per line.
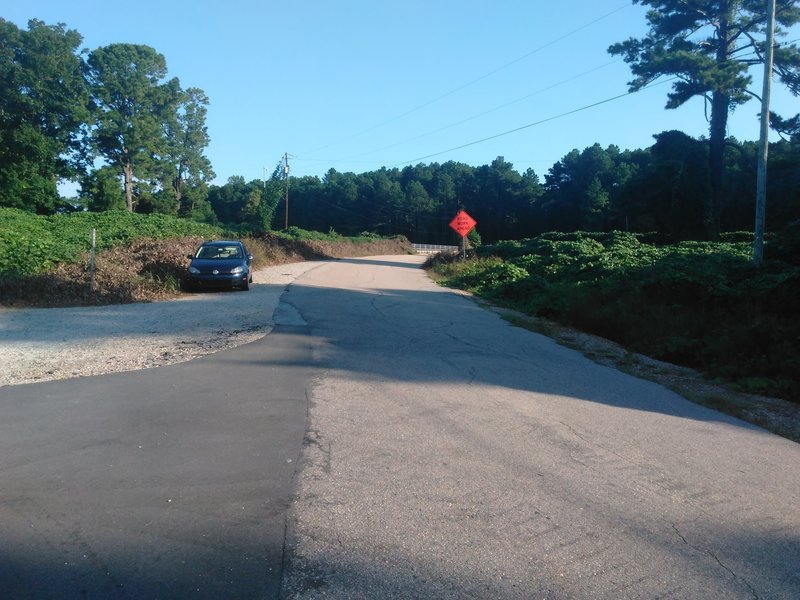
column 699, row 304
column 44, row 261
column 296, row 245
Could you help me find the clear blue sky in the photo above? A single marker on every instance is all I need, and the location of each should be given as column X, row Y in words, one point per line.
column 359, row 84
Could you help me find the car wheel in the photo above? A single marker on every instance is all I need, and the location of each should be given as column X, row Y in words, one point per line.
column 246, row 285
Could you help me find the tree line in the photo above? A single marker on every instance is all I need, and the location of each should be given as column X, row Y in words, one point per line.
column 708, row 48
column 133, row 138
column 663, row 188
column 108, row 118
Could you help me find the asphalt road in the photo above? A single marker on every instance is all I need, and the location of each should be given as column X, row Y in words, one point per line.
column 169, row 483
column 442, row 453
column 451, row 455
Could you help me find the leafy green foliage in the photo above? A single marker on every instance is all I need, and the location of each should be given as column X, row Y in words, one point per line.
column 700, row 45
column 134, row 108
column 418, row 201
column 295, row 233
column 31, row 244
column 43, row 104
column 101, row 190
column 364, row 238
column 187, row 137
column 662, row 189
column 700, row 304
column 250, row 205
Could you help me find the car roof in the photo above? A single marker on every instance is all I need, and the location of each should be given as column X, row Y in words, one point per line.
column 221, row 243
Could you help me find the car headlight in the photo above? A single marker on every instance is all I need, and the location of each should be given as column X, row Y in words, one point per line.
column 237, row 270
column 194, row 270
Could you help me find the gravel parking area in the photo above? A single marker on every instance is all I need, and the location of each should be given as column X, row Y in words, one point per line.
column 43, row 344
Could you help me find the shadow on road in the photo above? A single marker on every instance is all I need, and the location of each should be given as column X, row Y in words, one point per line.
column 447, row 328
column 168, row 483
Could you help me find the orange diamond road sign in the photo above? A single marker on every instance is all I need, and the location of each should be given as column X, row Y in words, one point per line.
column 462, row 223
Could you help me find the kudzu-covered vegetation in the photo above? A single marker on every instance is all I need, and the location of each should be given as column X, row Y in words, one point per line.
column 44, row 261
column 700, row 304
column 31, row 244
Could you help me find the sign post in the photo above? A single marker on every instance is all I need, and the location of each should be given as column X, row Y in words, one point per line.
column 91, row 261
column 462, row 224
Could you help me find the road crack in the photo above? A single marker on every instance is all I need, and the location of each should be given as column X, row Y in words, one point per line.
column 708, row 552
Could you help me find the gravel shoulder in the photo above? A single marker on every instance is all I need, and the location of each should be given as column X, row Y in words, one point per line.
column 45, row 344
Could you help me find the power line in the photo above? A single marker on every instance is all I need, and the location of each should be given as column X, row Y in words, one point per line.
column 476, row 80
column 491, row 110
column 548, row 119
column 553, row 118
column 475, row 142
column 502, row 106
column 365, row 162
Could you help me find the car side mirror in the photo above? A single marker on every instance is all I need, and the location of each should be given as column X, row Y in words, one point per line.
column 190, row 256
column 249, row 257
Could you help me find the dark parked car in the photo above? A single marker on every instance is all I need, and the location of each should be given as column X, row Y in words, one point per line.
column 220, row 264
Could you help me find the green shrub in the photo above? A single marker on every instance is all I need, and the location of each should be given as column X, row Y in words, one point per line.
column 31, row 243
column 737, row 236
column 785, row 245
column 700, row 304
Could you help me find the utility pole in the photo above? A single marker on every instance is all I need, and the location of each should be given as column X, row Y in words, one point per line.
column 286, row 174
column 763, row 144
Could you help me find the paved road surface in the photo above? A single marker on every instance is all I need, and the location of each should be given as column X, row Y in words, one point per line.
column 169, row 483
column 446, row 454
column 450, row 455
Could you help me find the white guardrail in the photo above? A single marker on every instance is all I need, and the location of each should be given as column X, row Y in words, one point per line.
column 433, row 248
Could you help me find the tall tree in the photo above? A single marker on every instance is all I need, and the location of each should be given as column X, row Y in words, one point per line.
column 186, row 139
column 578, row 188
column 228, row 200
column 43, row 109
column 499, row 185
column 133, row 106
column 386, row 202
column 709, row 46
column 674, row 184
column 101, row 190
column 252, row 203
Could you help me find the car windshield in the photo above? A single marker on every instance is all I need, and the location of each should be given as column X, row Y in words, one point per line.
column 221, row 252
